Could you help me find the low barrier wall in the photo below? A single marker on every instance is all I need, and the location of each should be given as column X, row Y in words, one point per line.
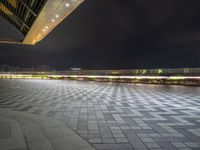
column 173, row 80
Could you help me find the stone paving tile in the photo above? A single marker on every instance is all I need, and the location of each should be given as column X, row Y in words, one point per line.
column 32, row 133
column 179, row 144
column 95, row 141
column 110, row 115
column 192, row 144
column 112, row 146
column 11, row 136
column 152, row 145
column 169, row 146
column 56, row 131
column 67, row 143
column 40, row 145
column 135, row 141
column 110, row 140
column 121, row 140
column 5, row 131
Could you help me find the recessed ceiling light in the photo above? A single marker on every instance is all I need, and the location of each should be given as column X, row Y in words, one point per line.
column 43, row 30
column 67, row 4
column 57, row 16
column 53, row 20
column 46, row 27
column 39, row 35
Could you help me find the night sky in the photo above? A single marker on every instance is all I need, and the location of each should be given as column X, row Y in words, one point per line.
column 115, row 34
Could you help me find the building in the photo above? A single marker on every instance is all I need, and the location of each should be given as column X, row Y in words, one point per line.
column 34, row 19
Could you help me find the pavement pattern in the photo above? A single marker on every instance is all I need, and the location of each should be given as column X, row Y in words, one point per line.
column 24, row 131
column 113, row 116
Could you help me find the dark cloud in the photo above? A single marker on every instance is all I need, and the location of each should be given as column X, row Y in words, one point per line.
column 116, row 34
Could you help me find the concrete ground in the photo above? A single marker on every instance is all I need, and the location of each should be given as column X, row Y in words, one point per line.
column 107, row 116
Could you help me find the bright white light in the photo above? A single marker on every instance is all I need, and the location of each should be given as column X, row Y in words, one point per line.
column 57, row 16
column 67, row 4
column 53, row 20
column 43, row 30
column 46, row 27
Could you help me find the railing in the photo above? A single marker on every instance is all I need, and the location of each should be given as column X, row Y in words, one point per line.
column 187, row 76
column 144, row 72
column 134, row 72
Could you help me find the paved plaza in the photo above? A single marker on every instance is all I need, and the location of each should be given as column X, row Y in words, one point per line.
column 109, row 116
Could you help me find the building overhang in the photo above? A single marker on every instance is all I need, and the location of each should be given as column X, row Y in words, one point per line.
column 51, row 14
